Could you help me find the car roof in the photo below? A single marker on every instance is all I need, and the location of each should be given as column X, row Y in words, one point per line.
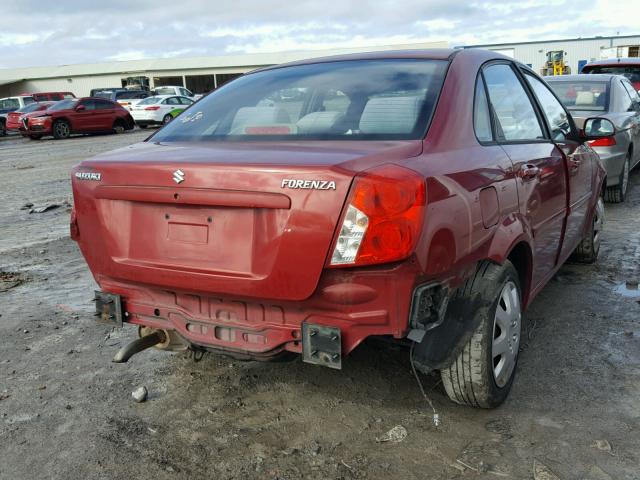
column 615, row 61
column 162, row 97
column 591, row 77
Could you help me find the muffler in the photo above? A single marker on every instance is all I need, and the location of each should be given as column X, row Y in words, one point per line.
column 142, row 343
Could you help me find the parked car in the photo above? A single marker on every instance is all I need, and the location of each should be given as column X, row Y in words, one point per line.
column 430, row 199
column 50, row 96
column 78, row 115
column 629, row 67
column 126, row 98
column 11, row 104
column 95, row 91
column 614, row 98
column 173, row 90
column 159, row 110
column 14, row 119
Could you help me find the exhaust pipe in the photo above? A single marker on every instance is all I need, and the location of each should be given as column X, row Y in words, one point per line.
column 142, row 343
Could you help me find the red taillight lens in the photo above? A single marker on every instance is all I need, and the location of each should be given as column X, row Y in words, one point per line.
column 603, row 142
column 152, row 108
column 383, row 219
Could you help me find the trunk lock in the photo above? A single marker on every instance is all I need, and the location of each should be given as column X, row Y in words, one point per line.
column 322, row 345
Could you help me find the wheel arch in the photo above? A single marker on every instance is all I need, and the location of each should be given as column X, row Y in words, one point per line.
column 521, row 257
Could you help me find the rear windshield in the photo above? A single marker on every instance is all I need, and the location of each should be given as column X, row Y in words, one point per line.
column 347, row 100
column 9, row 103
column 630, row 71
column 64, row 104
column 582, row 95
column 104, row 94
column 165, row 91
column 149, row 101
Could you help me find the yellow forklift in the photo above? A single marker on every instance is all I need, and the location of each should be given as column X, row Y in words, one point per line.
column 555, row 64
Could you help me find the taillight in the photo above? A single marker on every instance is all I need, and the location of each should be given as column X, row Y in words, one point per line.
column 383, row 218
column 603, row 142
column 152, row 108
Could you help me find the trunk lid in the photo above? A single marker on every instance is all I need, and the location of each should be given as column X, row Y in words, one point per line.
column 251, row 220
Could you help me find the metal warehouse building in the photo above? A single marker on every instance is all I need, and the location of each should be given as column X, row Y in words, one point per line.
column 198, row 74
column 579, row 50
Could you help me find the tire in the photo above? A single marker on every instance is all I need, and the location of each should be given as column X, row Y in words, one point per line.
column 143, row 126
column 35, row 137
column 618, row 193
column 167, row 119
column 589, row 248
column 61, row 129
column 3, row 128
column 481, row 376
column 118, row 127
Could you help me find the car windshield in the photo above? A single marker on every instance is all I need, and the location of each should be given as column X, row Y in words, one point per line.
column 343, row 100
column 582, row 95
column 165, row 91
column 631, row 72
column 9, row 103
column 63, row 104
column 149, row 101
column 32, row 107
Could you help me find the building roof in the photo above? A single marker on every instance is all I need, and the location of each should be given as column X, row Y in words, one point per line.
column 578, row 39
column 191, row 63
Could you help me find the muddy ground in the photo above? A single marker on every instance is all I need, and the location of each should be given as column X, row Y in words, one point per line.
column 66, row 411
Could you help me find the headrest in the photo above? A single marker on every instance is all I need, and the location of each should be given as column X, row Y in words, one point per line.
column 318, row 122
column 390, row 114
column 256, row 116
column 584, row 98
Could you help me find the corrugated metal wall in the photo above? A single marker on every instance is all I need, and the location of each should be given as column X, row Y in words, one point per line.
column 534, row 54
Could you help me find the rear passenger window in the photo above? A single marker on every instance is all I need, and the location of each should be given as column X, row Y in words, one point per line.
column 481, row 115
column 554, row 112
column 172, row 101
column 513, row 109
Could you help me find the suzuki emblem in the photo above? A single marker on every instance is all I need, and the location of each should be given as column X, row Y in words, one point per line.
column 178, row 176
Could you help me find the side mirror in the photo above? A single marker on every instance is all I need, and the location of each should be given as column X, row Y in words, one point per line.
column 595, row 128
column 80, row 108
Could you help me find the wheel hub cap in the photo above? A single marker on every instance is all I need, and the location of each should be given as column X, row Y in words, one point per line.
column 506, row 334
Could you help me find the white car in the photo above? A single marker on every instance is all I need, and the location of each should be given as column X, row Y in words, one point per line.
column 159, row 109
column 173, row 90
column 11, row 104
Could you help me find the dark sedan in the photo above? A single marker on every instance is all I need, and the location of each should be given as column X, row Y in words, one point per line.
column 611, row 97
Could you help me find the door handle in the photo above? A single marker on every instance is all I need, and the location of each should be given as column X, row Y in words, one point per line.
column 529, row 172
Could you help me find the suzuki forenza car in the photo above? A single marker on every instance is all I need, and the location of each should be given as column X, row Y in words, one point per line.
column 420, row 195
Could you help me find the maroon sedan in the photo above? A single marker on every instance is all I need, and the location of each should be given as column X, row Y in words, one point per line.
column 78, row 115
column 424, row 196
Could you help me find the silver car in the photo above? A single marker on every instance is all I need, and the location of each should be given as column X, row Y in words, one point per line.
column 611, row 97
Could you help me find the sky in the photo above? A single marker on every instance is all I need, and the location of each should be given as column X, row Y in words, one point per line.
column 43, row 33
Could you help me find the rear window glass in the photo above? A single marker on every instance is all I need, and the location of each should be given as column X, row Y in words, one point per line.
column 630, row 71
column 149, row 101
column 348, row 100
column 106, row 95
column 590, row 96
column 9, row 103
column 165, row 91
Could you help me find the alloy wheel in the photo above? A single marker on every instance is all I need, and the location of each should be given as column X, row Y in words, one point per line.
column 598, row 224
column 506, row 334
column 624, row 183
column 62, row 129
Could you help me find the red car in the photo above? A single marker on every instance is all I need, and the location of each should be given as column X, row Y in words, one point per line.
column 15, row 119
column 425, row 196
column 629, row 67
column 50, row 96
column 78, row 115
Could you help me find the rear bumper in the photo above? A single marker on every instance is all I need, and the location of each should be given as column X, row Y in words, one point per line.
column 375, row 301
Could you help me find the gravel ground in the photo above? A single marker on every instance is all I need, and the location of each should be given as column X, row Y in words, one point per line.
column 66, row 412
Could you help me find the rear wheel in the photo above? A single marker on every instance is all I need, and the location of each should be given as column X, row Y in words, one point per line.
column 61, row 129
column 618, row 193
column 167, row 118
column 143, row 126
column 3, row 128
column 482, row 374
column 119, row 127
column 589, row 248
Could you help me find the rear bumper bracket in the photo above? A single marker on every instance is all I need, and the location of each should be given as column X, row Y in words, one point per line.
column 322, row 345
column 109, row 308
